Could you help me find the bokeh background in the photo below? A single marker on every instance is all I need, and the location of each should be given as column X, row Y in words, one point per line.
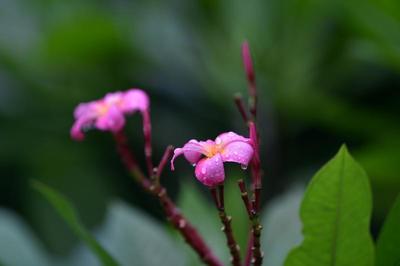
column 328, row 73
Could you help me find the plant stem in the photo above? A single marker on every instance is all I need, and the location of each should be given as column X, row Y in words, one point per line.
column 255, row 164
column 249, row 250
column 163, row 162
column 240, row 105
column 174, row 216
column 147, row 141
column 251, row 79
column 253, row 253
column 234, row 249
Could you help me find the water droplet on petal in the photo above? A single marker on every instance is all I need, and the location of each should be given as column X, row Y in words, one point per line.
column 193, row 164
column 243, row 166
column 203, row 170
column 218, row 140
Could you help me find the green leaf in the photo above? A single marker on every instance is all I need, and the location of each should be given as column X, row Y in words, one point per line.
column 68, row 213
column 388, row 246
column 137, row 239
column 18, row 245
column 335, row 213
column 133, row 238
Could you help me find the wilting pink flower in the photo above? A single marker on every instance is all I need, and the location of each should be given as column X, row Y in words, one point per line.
column 208, row 156
column 107, row 114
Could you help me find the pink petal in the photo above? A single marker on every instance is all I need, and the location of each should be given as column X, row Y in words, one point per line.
column 84, row 109
column 210, row 171
column 76, row 131
column 238, row 152
column 85, row 116
column 226, row 138
column 192, row 151
column 112, row 120
column 113, row 98
column 133, row 100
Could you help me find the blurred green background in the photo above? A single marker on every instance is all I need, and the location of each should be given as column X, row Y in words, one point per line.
column 328, row 72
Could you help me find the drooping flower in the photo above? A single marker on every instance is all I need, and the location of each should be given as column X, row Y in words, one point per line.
column 108, row 113
column 208, row 156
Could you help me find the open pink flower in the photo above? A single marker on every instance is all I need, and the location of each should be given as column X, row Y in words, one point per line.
column 107, row 114
column 209, row 156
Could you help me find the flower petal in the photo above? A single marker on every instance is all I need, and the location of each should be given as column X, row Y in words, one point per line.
column 112, row 120
column 133, row 100
column 210, row 171
column 85, row 109
column 226, row 138
column 238, row 152
column 85, row 115
column 113, row 98
column 192, row 151
column 76, row 130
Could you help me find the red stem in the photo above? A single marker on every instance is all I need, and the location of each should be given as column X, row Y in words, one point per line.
column 164, row 160
column 147, row 141
column 251, row 78
column 240, row 105
column 245, row 197
column 254, row 249
column 180, row 223
column 249, row 250
column 226, row 221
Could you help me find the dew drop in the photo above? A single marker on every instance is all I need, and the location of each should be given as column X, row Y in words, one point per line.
column 182, row 223
column 203, row 170
column 243, row 166
column 218, row 141
column 193, row 164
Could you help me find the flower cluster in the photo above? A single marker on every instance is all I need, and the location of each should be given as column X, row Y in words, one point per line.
column 208, row 156
column 107, row 114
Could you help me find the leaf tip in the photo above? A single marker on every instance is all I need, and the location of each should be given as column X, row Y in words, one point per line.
column 36, row 184
column 343, row 148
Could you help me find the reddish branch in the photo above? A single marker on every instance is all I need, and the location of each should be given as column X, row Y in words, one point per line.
column 240, row 106
column 234, row 249
column 173, row 214
column 252, row 204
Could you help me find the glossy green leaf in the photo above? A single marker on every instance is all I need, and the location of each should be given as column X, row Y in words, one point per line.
column 335, row 213
column 68, row 213
column 388, row 246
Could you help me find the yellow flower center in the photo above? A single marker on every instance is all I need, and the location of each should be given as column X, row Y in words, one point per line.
column 212, row 150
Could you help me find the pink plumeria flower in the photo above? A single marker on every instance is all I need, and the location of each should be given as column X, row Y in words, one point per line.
column 107, row 114
column 208, row 156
